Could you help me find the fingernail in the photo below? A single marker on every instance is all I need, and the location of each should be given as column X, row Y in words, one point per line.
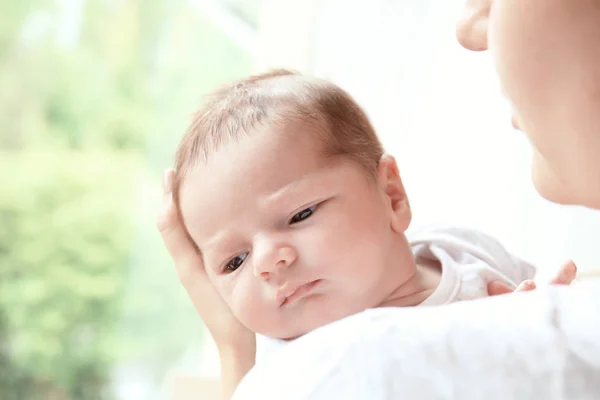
column 529, row 285
column 166, row 181
column 167, row 202
column 572, row 267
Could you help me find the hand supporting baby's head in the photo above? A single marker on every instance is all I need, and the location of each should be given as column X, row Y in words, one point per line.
column 282, row 184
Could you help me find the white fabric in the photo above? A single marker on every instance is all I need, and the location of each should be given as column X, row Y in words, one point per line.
column 544, row 344
column 469, row 260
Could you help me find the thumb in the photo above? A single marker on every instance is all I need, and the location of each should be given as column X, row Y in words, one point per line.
column 566, row 274
column 188, row 262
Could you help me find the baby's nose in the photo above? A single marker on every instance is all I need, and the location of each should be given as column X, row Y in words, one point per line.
column 274, row 261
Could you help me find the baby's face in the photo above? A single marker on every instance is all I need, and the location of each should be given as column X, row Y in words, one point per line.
column 290, row 240
column 548, row 61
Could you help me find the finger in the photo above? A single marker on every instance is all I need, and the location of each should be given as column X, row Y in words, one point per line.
column 566, row 274
column 496, row 288
column 167, row 180
column 188, row 262
column 526, row 286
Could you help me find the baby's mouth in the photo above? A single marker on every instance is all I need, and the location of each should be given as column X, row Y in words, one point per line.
column 294, row 295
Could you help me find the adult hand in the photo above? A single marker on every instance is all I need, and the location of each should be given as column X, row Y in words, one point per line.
column 236, row 343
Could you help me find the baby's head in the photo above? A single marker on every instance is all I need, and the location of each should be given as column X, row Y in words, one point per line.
column 299, row 217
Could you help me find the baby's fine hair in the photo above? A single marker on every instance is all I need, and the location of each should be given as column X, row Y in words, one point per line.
column 280, row 99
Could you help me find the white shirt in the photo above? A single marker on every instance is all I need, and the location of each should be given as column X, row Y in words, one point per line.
column 469, row 260
column 540, row 344
column 543, row 344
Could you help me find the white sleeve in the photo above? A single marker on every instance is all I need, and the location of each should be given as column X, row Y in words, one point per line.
column 461, row 243
column 542, row 344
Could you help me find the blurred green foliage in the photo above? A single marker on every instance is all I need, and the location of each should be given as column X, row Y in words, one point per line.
column 66, row 241
column 95, row 95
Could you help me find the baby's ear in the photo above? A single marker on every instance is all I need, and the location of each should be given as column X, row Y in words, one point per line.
column 391, row 183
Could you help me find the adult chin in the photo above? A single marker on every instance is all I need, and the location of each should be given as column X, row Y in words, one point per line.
column 548, row 184
column 560, row 191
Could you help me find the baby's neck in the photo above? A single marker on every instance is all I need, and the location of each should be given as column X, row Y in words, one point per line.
column 418, row 288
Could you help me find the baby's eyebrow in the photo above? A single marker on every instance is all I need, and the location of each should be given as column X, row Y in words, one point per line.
column 214, row 244
column 213, row 240
column 289, row 190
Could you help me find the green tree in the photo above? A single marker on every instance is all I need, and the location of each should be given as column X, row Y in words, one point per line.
column 86, row 125
column 66, row 242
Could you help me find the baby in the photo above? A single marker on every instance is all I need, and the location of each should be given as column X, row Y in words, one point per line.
column 301, row 218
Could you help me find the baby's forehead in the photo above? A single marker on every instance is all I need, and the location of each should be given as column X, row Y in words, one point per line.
column 253, row 166
column 273, row 140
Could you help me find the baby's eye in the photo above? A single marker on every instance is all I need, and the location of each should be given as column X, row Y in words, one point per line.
column 235, row 262
column 302, row 215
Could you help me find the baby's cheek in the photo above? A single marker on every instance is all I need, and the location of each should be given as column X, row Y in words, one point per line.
column 249, row 304
column 348, row 240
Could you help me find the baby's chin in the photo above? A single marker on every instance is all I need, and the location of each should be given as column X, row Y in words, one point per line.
column 286, row 333
column 296, row 331
column 303, row 323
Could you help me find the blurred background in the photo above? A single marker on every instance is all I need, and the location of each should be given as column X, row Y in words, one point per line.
column 94, row 96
